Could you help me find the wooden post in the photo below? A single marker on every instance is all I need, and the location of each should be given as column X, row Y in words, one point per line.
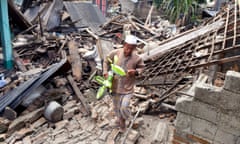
column 75, row 60
column 5, row 35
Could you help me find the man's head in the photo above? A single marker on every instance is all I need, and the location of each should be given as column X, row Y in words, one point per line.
column 130, row 45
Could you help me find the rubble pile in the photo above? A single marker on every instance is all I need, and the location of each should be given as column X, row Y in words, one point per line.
column 49, row 97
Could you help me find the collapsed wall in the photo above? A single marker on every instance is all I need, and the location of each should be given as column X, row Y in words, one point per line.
column 212, row 115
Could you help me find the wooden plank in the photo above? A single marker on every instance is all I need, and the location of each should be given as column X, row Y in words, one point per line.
column 78, row 93
column 235, row 23
column 75, row 60
column 148, row 20
column 156, row 52
column 226, row 27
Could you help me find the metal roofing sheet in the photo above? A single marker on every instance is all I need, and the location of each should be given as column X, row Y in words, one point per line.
column 89, row 15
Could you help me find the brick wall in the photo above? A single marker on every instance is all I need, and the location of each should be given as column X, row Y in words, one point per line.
column 212, row 115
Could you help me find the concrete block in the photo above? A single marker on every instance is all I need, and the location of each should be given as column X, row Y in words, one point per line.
column 204, row 128
column 161, row 134
column 207, row 93
column 223, row 137
column 229, row 123
column 229, row 101
column 238, row 140
column 205, row 111
column 232, row 81
column 184, row 104
column 183, row 122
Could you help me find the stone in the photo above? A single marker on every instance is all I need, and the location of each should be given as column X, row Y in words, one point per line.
column 57, row 132
column 229, row 123
column 11, row 140
column 20, row 121
column 95, row 142
column 238, row 140
column 9, row 113
column 18, row 142
column 4, row 123
column 104, row 135
column 184, row 104
column 112, row 136
column 138, row 122
column 60, row 139
column 94, row 114
column 61, row 124
column 39, row 123
column 69, row 114
column 84, row 136
column 22, row 133
column 69, row 105
column 41, row 137
column 203, row 128
column 224, row 137
column 103, row 123
column 27, row 140
column 77, row 133
column 207, row 93
column 232, row 81
column 133, row 135
column 205, row 111
column 161, row 134
column 183, row 122
column 229, row 101
column 2, row 137
column 60, row 82
column 91, row 126
column 73, row 125
column 140, row 90
column 144, row 106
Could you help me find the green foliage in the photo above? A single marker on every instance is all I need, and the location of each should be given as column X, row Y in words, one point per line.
column 179, row 9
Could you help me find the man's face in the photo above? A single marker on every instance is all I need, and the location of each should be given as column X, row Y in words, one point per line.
column 128, row 48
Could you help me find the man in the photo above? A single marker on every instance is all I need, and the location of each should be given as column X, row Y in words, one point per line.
column 122, row 87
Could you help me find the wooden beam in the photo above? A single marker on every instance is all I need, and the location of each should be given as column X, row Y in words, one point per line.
column 75, row 60
column 78, row 93
column 158, row 51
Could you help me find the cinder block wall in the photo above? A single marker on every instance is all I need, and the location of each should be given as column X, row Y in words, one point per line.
column 212, row 115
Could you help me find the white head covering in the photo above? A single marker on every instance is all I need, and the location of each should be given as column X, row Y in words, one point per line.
column 130, row 39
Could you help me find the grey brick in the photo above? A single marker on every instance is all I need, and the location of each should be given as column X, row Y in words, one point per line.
column 232, row 81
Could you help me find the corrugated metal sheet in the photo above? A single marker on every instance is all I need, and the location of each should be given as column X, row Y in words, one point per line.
column 88, row 14
column 15, row 97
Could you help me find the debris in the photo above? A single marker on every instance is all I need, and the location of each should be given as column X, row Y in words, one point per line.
column 21, row 121
column 75, row 61
column 161, row 134
column 80, row 96
column 53, row 112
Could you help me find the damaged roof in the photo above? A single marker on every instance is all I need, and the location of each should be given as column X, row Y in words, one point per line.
column 87, row 15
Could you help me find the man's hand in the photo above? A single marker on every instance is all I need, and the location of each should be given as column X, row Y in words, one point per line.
column 105, row 75
column 131, row 72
